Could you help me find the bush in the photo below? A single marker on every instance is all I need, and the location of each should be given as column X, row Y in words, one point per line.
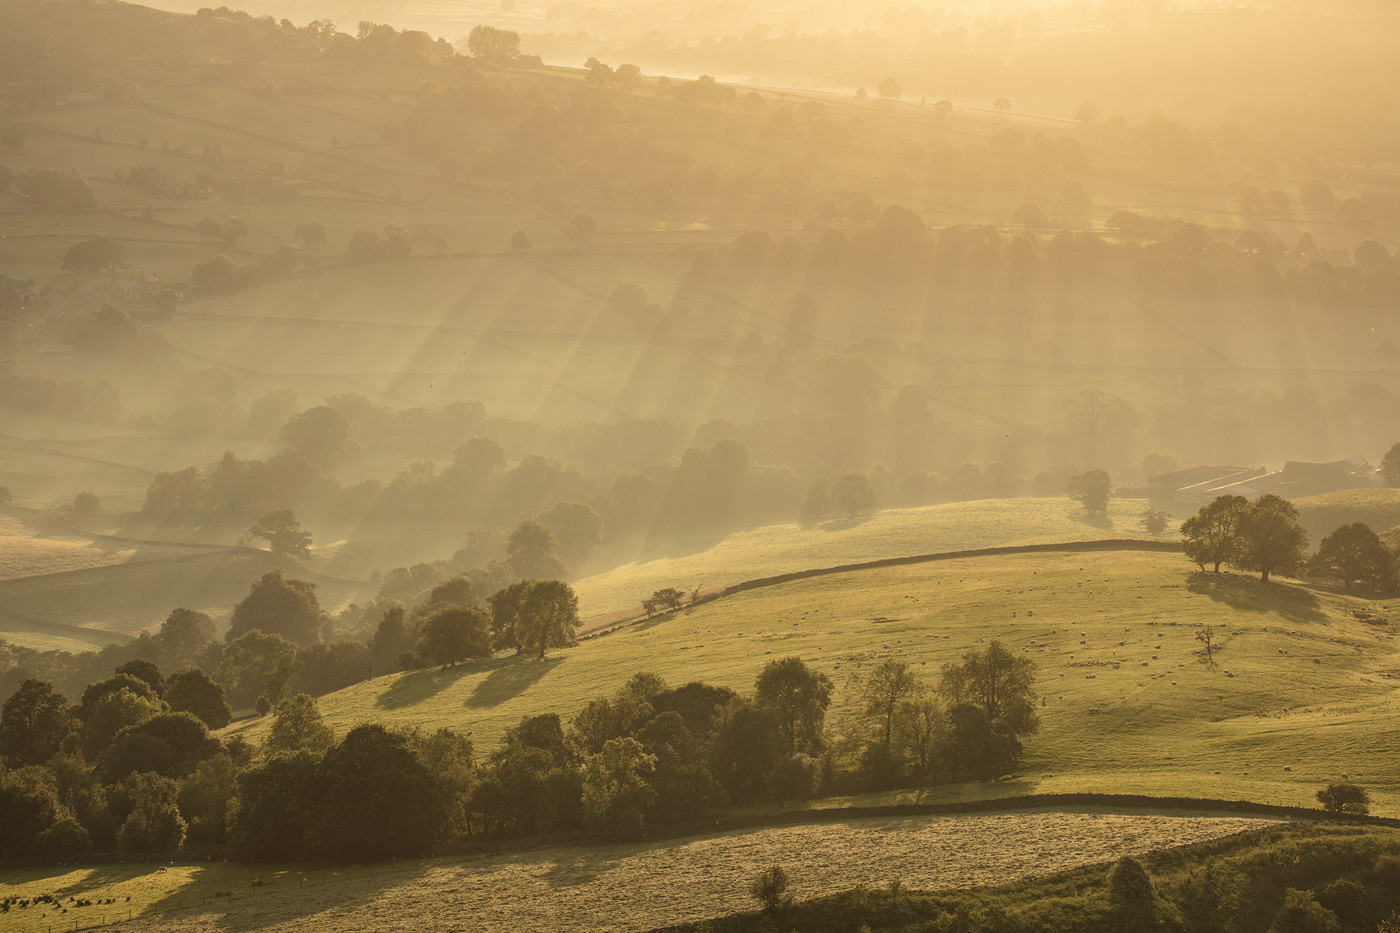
column 1345, row 797
column 65, row 839
column 86, row 503
column 1302, row 913
column 770, row 888
column 1344, row 898
column 1129, row 882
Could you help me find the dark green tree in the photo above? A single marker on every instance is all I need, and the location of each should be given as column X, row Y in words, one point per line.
column 549, row 617
column 191, row 691
column 533, row 552
column 298, row 727
column 1271, row 540
column 1354, row 553
column 283, row 534
column 33, row 724
column 378, row 800
column 1092, row 490
column 280, row 607
column 800, row 696
column 1212, row 535
column 853, row 494
column 258, row 664
column 452, row 634
column 1390, row 466
column 99, row 254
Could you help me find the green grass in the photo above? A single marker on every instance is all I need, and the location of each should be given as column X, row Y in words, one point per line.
column 620, row 886
column 1313, row 690
column 779, row 549
column 1322, row 515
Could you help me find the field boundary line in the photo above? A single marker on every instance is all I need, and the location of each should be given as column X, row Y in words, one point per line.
column 1058, row 547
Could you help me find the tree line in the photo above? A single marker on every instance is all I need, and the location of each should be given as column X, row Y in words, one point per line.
column 132, row 766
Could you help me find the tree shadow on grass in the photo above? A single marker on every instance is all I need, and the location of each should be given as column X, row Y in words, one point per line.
column 508, row 679
column 1101, row 522
column 417, row 686
column 845, row 524
column 1248, row 593
column 249, row 908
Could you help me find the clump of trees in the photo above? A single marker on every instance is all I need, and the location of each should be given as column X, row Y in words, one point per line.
column 1263, row 536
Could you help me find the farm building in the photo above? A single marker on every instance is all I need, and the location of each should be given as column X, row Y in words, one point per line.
column 1191, row 488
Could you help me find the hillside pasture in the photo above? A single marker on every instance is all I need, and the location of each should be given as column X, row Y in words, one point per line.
column 780, row 549
column 618, row 886
column 1302, row 689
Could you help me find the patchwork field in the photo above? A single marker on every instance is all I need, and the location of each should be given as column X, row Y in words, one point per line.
column 623, row 886
column 1303, row 688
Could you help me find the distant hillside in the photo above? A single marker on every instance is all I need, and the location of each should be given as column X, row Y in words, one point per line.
column 1321, row 515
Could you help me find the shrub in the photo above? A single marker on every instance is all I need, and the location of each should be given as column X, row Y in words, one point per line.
column 1344, row 898
column 65, row 839
column 1345, row 797
column 86, row 503
column 1302, row 913
column 1129, row 882
column 770, row 888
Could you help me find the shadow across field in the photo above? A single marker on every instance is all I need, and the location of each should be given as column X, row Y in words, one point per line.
column 290, row 899
column 508, row 679
column 418, row 686
column 1247, row 593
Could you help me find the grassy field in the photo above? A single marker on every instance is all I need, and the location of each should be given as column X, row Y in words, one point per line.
column 779, row 549
column 1321, row 515
column 623, row 886
column 1303, row 688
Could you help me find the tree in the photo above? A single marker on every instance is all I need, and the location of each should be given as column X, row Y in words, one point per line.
column 616, row 795
column 1001, row 104
column 1355, row 553
column 283, row 533
column 13, row 135
column 183, row 633
column 666, row 599
column 888, row 88
column 1155, row 522
column 378, row 800
column 214, row 275
column 888, row 685
column 258, row 663
column 770, row 888
column 533, row 552
column 1212, row 535
column 1390, row 466
column 154, row 824
column 1345, row 797
column 170, row 744
column 577, row 528
column 145, row 670
column 800, row 696
column 520, row 240
column 1092, row 490
column 320, row 435
column 853, row 494
column 748, row 743
column 454, row 633
column 95, row 255
column 1271, row 540
column 33, row 723
column 490, row 42
column 310, row 234
column 85, row 503
column 548, row 617
column 298, row 727
column 191, row 691
column 274, row 807
column 280, row 607
column 55, row 189
column 1206, row 636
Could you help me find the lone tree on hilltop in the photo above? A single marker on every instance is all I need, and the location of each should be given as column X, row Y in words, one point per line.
column 666, row 599
column 1212, row 535
column 1271, row 540
column 1354, row 553
column 1092, row 490
column 283, row 533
